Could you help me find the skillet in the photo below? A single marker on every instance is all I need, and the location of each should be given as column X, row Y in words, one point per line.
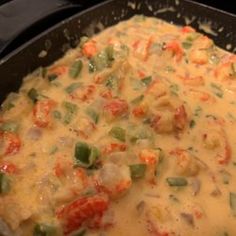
column 51, row 44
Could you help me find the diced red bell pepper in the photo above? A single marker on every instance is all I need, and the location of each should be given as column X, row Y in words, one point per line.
column 9, row 168
column 11, row 143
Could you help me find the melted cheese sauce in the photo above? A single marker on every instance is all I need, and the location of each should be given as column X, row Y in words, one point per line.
column 131, row 133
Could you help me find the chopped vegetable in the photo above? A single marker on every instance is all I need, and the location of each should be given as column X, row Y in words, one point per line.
column 187, row 44
column 33, row 95
column 92, row 114
column 85, row 155
column 138, row 99
column 118, row 133
column 137, row 170
column 4, row 183
column 43, row 71
column 9, row 102
column 89, row 48
column 217, row 90
column 83, row 40
column 196, row 186
column 188, row 218
column 44, row 230
column 214, row 59
column 91, row 66
column 110, row 53
column 137, row 133
column 232, row 202
column 71, row 110
column 192, row 124
column 198, row 111
column 53, row 150
column 225, row 175
column 174, row 89
column 10, row 126
column 173, row 198
column 102, row 60
column 159, row 166
column 170, row 69
column 112, row 82
column 72, row 87
column 81, row 232
column 75, row 69
column 7, row 106
column 52, row 77
column 233, row 69
column 11, row 144
column 8, row 168
column 177, row 181
column 146, row 80
column 57, row 114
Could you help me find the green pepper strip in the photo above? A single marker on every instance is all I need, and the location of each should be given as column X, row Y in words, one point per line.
column 9, row 126
column 85, row 155
column 75, row 69
column 232, row 202
column 137, row 170
column 118, row 133
column 177, row 181
column 4, row 183
column 44, row 230
column 33, row 95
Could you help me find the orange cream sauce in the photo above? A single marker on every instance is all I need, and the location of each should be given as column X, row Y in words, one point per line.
column 131, row 133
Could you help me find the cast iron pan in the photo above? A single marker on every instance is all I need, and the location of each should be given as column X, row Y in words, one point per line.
column 51, row 44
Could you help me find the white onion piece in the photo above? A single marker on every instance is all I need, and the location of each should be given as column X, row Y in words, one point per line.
column 188, row 218
column 196, row 186
column 66, row 141
column 34, row 133
column 4, row 229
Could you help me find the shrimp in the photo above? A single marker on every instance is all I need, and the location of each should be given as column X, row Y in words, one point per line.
column 199, row 54
column 151, row 158
column 141, row 48
column 115, row 108
column 81, row 212
column 192, row 81
column 75, row 181
column 83, row 127
column 114, row 180
column 216, row 139
column 84, row 94
column 226, row 70
column 42, row 113
column 162, row 122
column 180, row 117
column 185, row 163
column 175, row 48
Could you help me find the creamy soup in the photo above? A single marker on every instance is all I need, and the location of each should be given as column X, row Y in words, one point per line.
column 131, row 133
